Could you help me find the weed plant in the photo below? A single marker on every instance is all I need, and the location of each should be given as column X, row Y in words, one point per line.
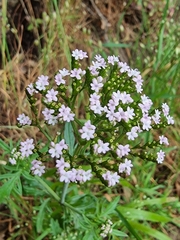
column 104, row 199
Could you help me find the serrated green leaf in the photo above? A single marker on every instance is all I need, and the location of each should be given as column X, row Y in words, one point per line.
column 55, row 228
column 69, row 137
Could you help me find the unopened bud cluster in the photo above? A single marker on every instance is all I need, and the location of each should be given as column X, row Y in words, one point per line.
column 106, row 141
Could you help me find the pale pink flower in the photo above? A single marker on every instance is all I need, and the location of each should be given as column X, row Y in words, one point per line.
column 49, row 117
column 96, row 84
column 79, row 54
column 165, row 109
column 123, row 150
column 133, row 72
column 26, row 147
column 110, row 114
column 156, row 117
column 59, row 79
column 56, row 149
column 101, row 147
column 93, row 70
column 51, row 95
column 160, row 156
column 123, row 67
column 65, row 114
column 126, row 98
column 100, row 60
column 163, row 140
column 146, row 121
column 120, row 115
column 116, row 96
column 133, row 133
column 170, row 120
column 112, row 59
column 42, row 82
column 64, row 72
column 94, row 98
column 125, row 167
column 96, row 108
column 30, row 88
column 65, row 176
column 77, row 73
column 61, row 164
column 112, row 104
column 83, row 176
column 37, row 168
column 112, row 178
column 146, row 104
column 87, row 131
column 138, row 83
column 24, row 120
column 129, row 114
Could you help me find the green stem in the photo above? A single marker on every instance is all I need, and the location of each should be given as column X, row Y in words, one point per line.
column 62, row 200
column 45, row 133
column 49, row 190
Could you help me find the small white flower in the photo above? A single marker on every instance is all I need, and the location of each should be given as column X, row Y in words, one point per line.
column 42, row 82
column 101, row 147
column 163, row 140
column 26, row 147
column 112, row 178
column 24, row 120
column 160, row 156
column 87, row 131
column 51, row 95
column 79, row 54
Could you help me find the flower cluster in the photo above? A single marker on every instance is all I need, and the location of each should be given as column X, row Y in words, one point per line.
column 15, row 156
column 118, row 114
column 24, row 120
column 37, row 168
column 26, row 147
column 72, row 175
column 106, row 229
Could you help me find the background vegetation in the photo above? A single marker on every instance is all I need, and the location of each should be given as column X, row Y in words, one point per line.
column 36, row 38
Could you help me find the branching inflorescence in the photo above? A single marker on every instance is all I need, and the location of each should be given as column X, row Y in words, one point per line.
column 116, row 117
